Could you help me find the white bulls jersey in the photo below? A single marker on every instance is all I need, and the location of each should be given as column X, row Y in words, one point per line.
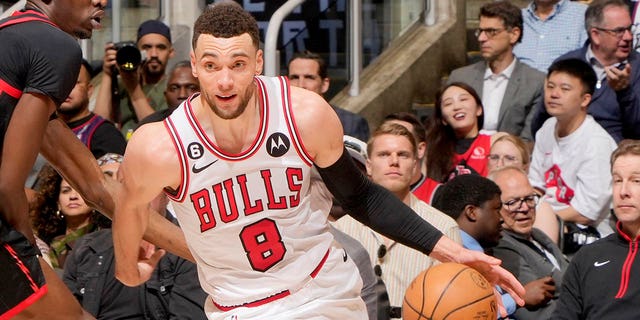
column 247, row 217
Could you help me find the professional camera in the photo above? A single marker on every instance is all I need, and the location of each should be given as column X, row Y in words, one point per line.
column 128, row 57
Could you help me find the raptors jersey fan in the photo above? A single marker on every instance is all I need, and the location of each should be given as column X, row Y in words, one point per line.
column 251, row 230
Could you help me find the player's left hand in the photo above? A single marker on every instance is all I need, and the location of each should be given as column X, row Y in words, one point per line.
column 490, row 268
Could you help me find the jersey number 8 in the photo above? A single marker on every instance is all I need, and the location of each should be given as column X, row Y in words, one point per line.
column 263, row 244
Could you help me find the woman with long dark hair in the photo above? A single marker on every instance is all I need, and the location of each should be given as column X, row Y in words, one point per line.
column 60, row 215
column 454, row 142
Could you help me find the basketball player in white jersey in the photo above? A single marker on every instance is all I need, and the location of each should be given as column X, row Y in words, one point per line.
column 236, row 162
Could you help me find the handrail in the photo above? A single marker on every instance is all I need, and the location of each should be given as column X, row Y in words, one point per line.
column 16, row 6
column 355, row 54
column 430, row 12
column 271, row 38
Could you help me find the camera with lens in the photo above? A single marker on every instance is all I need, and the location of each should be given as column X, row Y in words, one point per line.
column 128, row 57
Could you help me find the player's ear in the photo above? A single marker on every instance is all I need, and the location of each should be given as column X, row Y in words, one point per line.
column 192, row 57
column 259, row 62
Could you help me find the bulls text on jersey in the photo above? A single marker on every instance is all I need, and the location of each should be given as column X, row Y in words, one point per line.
column 221, row 204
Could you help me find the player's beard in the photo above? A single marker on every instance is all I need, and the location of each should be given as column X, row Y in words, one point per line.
column 232, row 114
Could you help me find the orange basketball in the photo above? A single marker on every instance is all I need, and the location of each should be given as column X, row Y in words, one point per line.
column 449, row 291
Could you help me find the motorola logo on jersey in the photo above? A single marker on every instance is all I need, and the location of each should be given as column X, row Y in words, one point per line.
column 277, row 145
column 195, row 150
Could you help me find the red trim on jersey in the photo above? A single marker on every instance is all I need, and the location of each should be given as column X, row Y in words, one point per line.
column 257, row 142
column 285, row 91
column 179, row 194
column 10, row 90
column 38, row 292
column 274, row 297
column 27, row 15
column 25, row 303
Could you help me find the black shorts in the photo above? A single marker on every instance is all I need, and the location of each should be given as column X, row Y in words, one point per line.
column 21, row 279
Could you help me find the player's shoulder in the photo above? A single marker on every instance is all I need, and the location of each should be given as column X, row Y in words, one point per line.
column 149, row 139
column 308, row 106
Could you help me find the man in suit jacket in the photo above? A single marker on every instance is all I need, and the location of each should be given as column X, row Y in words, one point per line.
column 527, row 252
column 615, row 103
column 509, row 88
column 308, row 70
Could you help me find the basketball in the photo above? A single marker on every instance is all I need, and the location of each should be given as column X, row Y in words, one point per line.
column 449, row 291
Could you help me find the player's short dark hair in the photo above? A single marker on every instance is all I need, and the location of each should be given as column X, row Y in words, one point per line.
column 467, row 189
column 510, row 14
column 226, row 20
column 306, row 54
column 576, row 68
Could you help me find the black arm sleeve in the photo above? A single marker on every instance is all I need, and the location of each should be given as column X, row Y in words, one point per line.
column 376, row 207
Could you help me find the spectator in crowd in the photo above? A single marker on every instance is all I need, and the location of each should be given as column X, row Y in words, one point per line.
column 309, row 70
column 392, row 159
column 181, row 84
column 510, row 150
column 173, row 292
column 422, row 187
column 551, row 29
column 601, row 281
column 527, row 252
column 61, row 216
column 140, row 92
column 474, row 202
column 571, row 154
column 97, row 133
column 615, row 103
column 456, row 145
column 509, row 89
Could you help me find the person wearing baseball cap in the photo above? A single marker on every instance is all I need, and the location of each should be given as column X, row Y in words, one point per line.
column 141, row 90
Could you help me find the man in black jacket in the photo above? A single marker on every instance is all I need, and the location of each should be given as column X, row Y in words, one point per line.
column 173, row 292
column 601, row 281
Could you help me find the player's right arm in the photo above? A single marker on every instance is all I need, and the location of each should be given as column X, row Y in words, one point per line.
column 150, row 163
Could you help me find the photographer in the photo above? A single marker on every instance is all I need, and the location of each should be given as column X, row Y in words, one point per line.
column 140, row 89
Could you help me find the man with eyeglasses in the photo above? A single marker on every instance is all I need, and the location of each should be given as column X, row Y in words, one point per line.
column 525, row 251
column 509, row 88
column 615, row 104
